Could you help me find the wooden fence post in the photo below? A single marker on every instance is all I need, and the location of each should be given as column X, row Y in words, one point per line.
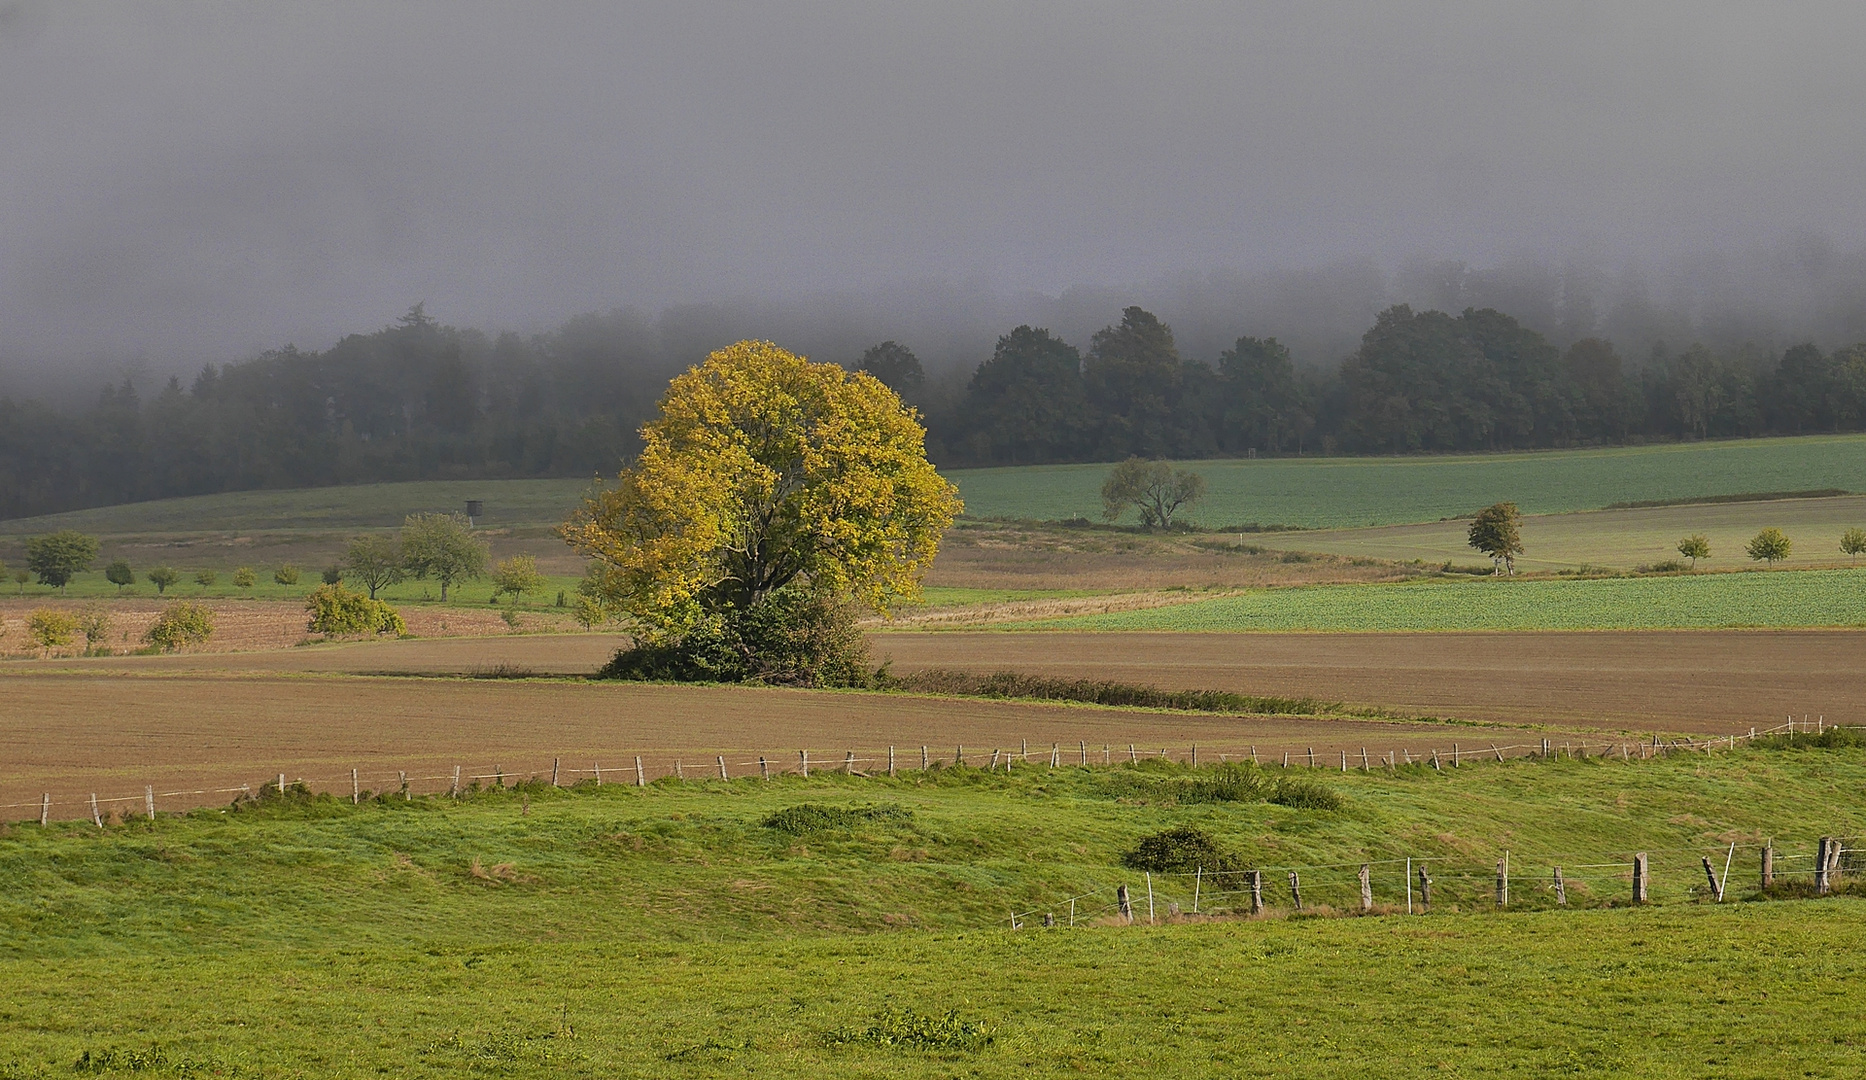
column 1295, row 889
column 1436, row 767
column 1822, row 856
column 1120, row 898
column 1364, row 765
column 281, row 785
column 1455, row 761
column 1494, row 750
column 848, row 764
column 722, row 766
column 455, row 790
column 1083, row 747
column 994, row 761
column 45, row 808
column 1023, row 750
column 597, row 768
column 149, row 800
column 958, row 755
column 1711, row 873
column 1639, row 878
column 1768, row 865
column 1286, row 759
column 803, row 763
column 1149, row 898
column 1256, row 892
column 923, row 759
column 1367, row 888
column 680, row 770
column 356, row 789
column 1311, row 757
column 890, row 760
column 95, row 816
column 1425, row 888
column 404, row 775
column 1133, row 756
column 764, row 767
column 1545, row 749
column 1253, row 754
column 1198, row 876
column 1503, row 881
column 498, row 776
column 1107, row 754
column 1344, row 761
column 1561, row 890
column 641, row 780
column 556, row 764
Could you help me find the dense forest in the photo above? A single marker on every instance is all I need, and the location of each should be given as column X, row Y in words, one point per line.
column 420, row 400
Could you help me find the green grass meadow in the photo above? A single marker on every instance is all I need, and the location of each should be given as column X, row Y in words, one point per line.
column 668, row 932
column 1778, row 599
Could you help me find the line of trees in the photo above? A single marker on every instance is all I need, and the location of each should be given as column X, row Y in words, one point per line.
column 419, row 400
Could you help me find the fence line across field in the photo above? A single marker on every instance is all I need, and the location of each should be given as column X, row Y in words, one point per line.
column 639, row 772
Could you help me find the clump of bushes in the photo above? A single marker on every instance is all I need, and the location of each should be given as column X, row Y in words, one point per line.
column 1182, row 850
column 1834, row 738
column 335, row 610
column 286, row 574
column 911, row 1030
column 794, row 637
column 180, row 625
column 1307, row 795
column 1235, row 782
column 805, row 818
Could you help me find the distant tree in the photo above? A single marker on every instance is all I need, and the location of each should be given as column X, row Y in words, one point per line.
column 897, row 366
column 119, row 574
column 59, row 556
column 1026, row 404
column 1852, row 542
column 286, row 574
column 1694, row 547
column 1133, row 376
column 1262, row 405
column 50, row 628
column 336, row 610
column 517, row 577
column 1154, row 488
column 162, row 577
column 1599, row 380
column 1769, row 546
column 243, row 578
column 1496, row 531
column 442, row 546
column 206, row 578
column 20, row 578
column 331, row 574
column 375, row 560
column 94, row 624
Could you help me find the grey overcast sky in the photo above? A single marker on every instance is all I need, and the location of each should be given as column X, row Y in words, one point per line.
column 202, row 180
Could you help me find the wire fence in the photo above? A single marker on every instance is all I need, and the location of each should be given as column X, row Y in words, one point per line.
column 683, row 766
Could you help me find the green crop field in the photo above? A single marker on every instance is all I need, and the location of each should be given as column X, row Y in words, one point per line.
column 1762, row 599
column 1352, row 492
column 1308, row 492
column 1611, row 538
column 672, row 932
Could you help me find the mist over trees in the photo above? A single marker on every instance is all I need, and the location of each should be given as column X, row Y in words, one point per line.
column 1324, row 361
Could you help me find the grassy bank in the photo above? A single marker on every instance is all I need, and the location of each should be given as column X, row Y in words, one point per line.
column 700, row 928
column 1812, row 598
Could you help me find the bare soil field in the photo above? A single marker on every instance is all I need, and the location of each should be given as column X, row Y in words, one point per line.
column 195, row 738
column 1688, row 680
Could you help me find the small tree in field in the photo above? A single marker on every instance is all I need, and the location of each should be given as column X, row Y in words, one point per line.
column 162, row 577
column 441, row 546
column 60, row 556
column 517, row 576
column 243, row 578
column 1694, row 547
column 1152, row 487
column 119, row 574
column 205, row 579
column 20, row 578
column 335, row 610
column 375, row 560
column 181, row 624
column 50, row 628
column 286, row 574
column 94, row 624
column 1852, row 542
column 1769, row 546
column 1496, row 531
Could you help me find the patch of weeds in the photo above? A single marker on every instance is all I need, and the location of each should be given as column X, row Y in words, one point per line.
column 1182, row 850
column 1230, row 782
column 503, row 1048
column 1834, row 738
column 1011, row 684
column 1307, row 795
column 148, row 1059
column 815, row 817
column 908, row 1030
column 710, row 1050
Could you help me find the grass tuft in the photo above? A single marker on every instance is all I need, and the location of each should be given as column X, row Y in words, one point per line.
column 1011, row 684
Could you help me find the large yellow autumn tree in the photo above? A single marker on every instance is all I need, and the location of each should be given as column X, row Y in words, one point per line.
column 773, row 497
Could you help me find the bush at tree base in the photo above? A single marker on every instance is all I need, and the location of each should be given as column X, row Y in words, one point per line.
column 336, row 610
column 185, row 623
column 794, row 637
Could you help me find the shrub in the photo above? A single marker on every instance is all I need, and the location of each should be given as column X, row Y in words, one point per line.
column 516, row 576
column 119, row 574
column 94, row 624
column 336, row 610
column 1834, row 738
column 1663, row 566
column 1181, row 850
column 1011, row 684
column 180, row 625
column 795, row 637
column 814, row 817
column 906, row 1028
column 206, row 579
column 1307, row 795
column 50, row 628
column 1230, row 782
column 286, row 574
column 162, row 577
column 1769, row 546
column 332, row 574
column 243, row 578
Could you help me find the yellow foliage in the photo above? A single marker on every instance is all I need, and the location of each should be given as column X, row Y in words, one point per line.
column 765, row 469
